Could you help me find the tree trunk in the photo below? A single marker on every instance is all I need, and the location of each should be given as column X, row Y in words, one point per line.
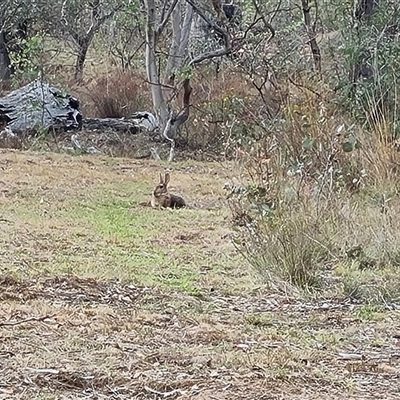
column 169, row 122
column 160, row 107
column 174, row 122
column 5, row 62
column 315, row 50
column 84, row 40
column 173, row 59
column 118, row 125
column 81, row 58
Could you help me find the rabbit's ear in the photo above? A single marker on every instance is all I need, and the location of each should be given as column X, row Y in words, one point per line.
column 161, row 178
column 167, row 178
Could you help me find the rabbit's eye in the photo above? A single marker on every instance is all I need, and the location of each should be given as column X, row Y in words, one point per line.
column 161, row 186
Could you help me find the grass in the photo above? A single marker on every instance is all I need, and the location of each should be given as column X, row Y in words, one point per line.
column 102, row 296
column 93, row 225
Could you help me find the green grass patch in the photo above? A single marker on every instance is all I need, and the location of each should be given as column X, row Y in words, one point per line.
column 369, row 312
column 90, row 222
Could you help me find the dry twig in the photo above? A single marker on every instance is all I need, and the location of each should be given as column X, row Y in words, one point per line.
column 35, row 319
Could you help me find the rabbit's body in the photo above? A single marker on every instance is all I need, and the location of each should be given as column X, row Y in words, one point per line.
column 163, row 198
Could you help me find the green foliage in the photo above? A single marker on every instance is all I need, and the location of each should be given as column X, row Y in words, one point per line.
column 370, row 55
column 369, row 312
column 259, row 320
column 185, row 71
column 180, row 278
column 27, row 61
column 127, row 26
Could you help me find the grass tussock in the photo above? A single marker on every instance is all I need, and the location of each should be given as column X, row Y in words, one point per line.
column 316, row 203
column 117, row 95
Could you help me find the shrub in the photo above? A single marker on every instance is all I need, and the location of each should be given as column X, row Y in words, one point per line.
column 311, row 190
column 223, row 113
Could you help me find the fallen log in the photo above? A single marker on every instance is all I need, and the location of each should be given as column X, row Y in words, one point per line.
column 119, row 125
column 38, row 108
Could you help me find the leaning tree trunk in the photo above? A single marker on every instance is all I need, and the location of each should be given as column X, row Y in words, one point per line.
column 315, row 50
column 84, row 44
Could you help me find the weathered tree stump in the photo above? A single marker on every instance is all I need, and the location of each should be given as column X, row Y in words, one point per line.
column 38, row 106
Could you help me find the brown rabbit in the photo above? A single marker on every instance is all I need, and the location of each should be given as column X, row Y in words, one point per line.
column 163, row 198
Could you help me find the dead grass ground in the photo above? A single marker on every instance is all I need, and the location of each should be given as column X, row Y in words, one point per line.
column 101, row 297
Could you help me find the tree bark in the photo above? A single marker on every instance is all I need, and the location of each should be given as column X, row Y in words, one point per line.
column 173, row 58
column 174, row 122
column 187, row 23
column 315, row 50
column 81, row 58
column 160, row 107
column 5, row 62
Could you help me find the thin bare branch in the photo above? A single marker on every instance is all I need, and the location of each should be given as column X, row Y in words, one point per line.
column 164, row 22
column 266, row 23
column 211, row 54
column 23, row 321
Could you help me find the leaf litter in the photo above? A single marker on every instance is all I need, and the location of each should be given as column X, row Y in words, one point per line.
column 81, row 338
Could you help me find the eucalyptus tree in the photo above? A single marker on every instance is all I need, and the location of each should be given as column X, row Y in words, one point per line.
column 77, row 22
column 168, row 74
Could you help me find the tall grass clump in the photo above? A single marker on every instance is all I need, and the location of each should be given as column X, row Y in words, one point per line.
column 316, row 202
column 118, row 95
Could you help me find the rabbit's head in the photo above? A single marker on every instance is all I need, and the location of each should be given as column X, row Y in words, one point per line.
column 162, row 188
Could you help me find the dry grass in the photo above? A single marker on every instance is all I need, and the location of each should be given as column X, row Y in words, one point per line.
column 79, row 337
column 75, row 207
column 116, row 95
column 101, row 297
